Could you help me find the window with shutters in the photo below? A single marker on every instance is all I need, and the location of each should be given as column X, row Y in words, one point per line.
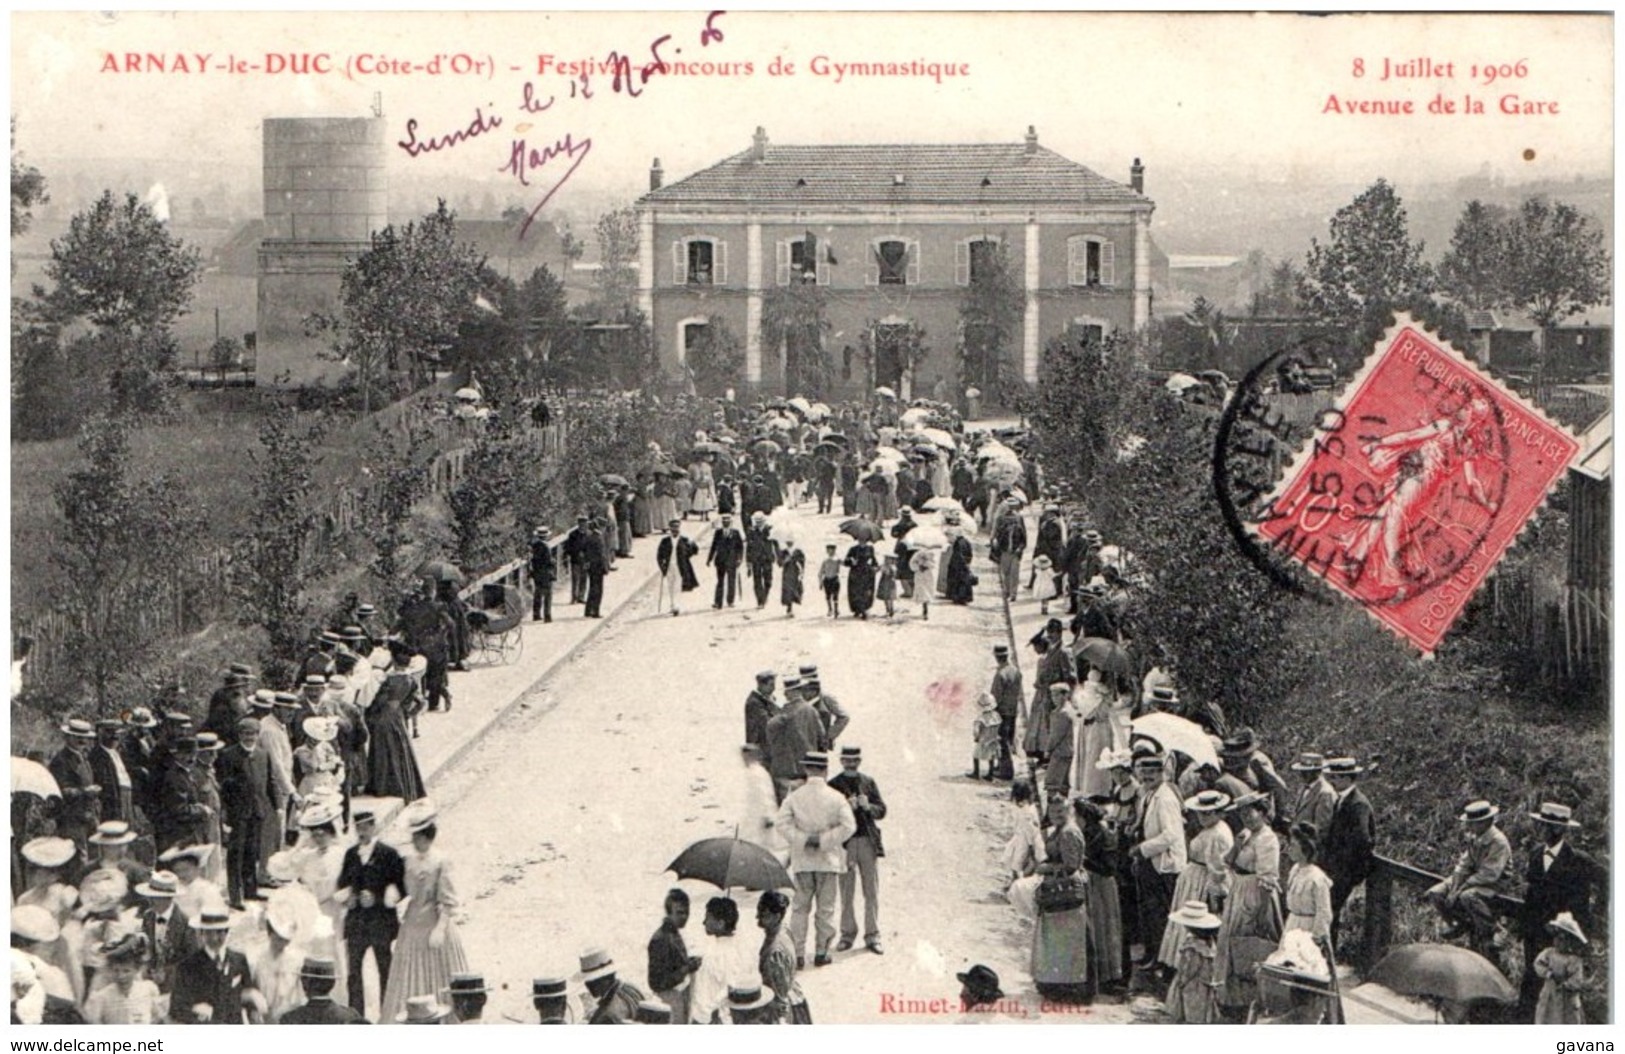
column 799, row 262
column 1090, row 261
column 974, row 258
column 895, row 262
column 699, row 261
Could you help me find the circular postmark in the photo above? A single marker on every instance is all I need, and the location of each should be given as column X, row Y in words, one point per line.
column 1390, row 491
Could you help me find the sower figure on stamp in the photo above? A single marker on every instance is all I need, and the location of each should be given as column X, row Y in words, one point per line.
column 863, row 852
column 1465, row 897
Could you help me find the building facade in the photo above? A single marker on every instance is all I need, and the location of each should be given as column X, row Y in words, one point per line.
column 893, row 234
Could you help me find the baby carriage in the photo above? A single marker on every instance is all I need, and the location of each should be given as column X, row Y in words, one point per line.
column 496, row 626
column 1293, row 990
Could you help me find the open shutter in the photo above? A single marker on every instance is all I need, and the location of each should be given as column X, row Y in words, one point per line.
column 781, row 263
column 825, row 251
column 871, row 273
column 961, row 263
column 913, row 275
column 679, row 263
column 1108, row 264
column 719, row 250
column 1077, row 261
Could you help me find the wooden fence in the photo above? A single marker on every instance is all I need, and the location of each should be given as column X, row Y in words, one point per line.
column 1378, row 932
column 191, row 601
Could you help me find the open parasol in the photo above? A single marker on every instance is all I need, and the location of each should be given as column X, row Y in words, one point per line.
column 863, row 530
column 818, row 411
column 766, row 447
column 671, row 471
column 800, row 404
column 943, row 503
column 828, row 449
column 885, row 392
column 440, row 571
column 1177, row 733
column 728, row 863
column 939, row 437
column 1002, row 473
column 467, row 395
column 611, row 479
column 1181, row 381
column 30, row 777
column 1105, row 655
column 926, row 536
column 914, row 415
column 1446, row 972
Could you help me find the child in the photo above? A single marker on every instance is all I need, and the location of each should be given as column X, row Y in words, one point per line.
column 127, row 998
column 1564, row 973
column 829, row 575
column 985, row 735
column 886, row 588
column 1044, row 579
column 924, row 564
column 1193, row 995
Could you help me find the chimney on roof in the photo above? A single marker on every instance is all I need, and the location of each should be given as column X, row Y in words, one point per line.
column 657, row 175
column 758, row 144
column 1136, row 177
column 1032, row 140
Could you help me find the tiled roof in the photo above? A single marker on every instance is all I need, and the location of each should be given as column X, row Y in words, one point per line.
column 902, row 174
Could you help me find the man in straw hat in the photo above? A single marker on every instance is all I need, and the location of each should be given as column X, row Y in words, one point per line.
column 213, row 985
column 1559, row 877
column 1465, row 896
column 863, row 852
column 423, row 1010
column 168, row 931
column 816, row 820
column 610, row 1000
column 752, row 1005
column 544, row 571
column 469, row 992
column 1349, row 851
column 1316, row 800
column 550, row 996
column 110, row 773
column 317, row 976
column 81, row 794
column 1010, row 704
column 1160, row 855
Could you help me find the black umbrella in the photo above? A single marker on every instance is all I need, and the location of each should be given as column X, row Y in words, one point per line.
column 835, row 437
column 440, row 571
column 730, row 862
column 863, row 530
column 827, row 448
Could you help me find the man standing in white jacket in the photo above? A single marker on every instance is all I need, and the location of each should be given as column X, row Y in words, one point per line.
column 1161, row 854
column 816, row 821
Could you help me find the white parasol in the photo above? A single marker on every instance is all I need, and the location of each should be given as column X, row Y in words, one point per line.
column 939, row 437
column 885, row 392
column 800, row 403
column 1181, row 381
column 914, row 415
column 926, row 536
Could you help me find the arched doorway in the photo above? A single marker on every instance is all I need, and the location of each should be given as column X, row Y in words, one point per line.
column 890, row 365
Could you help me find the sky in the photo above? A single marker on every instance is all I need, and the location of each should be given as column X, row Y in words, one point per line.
column 1244, row 95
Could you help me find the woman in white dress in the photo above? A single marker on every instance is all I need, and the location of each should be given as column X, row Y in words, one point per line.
column 1207, row 871
column 428, row 949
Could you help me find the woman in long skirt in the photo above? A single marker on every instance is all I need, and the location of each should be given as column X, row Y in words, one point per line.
column 1252, row 911
column 664, row 508
column 860, row 580
column 1093, row 703
column 1061, row 954
column 924, row 564
column 1206, row 875
column 428, row 950
column 793, row 565
column 643, row 507
column 704, row 499
column 1105, row 912
column 392, row 766
column 960, row 588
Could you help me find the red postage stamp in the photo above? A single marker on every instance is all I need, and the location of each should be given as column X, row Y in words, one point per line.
column 1415, row 483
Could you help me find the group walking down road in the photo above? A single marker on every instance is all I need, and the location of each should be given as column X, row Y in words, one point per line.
column 1113, row 843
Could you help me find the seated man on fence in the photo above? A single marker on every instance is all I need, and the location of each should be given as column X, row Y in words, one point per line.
column 1464, row 898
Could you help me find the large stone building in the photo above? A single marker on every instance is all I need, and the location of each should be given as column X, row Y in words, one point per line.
column 898, row 231
column 325, row 195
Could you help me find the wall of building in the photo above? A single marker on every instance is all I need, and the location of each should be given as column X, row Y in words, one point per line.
column 325, row 194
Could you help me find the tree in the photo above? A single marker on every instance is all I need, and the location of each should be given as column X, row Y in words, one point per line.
column 276, row 561
column 716, row 357
column 617, row 251
column 127, row 532
column 119, row 267
column 1369, row 266
column 399, row 467
column 1474, row 270
column 1080, row 418
column 990, row 319
column 403, row 302
column 27, row 190
column 1278, row 295
column 793, row 317
column 1556, row 261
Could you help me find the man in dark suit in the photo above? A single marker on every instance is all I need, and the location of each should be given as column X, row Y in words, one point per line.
column 248, row 785
column 317, row 977
column 863, row 852
column 594, row 558
column 1349, row 847
column 181, row 815
column 372, row 880
column 111, row 775
column 1558, row 878
column 426, row 625
column 169, row 932
column 571, row 551
column 81, row 795
column 726, row 554
column 213, row 984
column 762, row 555
column 544, row 569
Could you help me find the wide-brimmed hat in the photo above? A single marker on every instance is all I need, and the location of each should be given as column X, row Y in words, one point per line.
column 982, row 980
column 1564, row 923
column 753, row 998
column 315, row 680
column 1114, row 759
column 1344, row 766
column 141, row 717
column 34, row 923
column 1152, row 760
column 125, row 948
column 113, row 723
column 1208, row 801
column 1479, row 810
column 262, row 699
column 1251, row 798
column 652, row 1012
column 1556, row 814
column 281, row 920
column 1193, row 914
column 353, row 633
column 596, row 963
column 213, row 917
column 49, row 851
column 468, row 984
column 78, row 728
column 419, row 815
column 319, row 814
column 553, row 986
column 1239, row 744
column 319, row 969
column 1308, row 761
column 368, row 610
column 102, row 890
column 423, row 1010
column 281, row 866
column 112, row 832
column 199, row 854
column 159, row 884
column 321, row 728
